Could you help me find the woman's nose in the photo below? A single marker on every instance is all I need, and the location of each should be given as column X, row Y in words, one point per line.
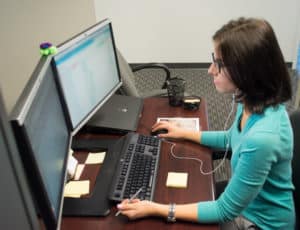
column 212, row 70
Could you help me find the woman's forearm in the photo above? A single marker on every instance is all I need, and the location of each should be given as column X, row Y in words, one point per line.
column 191, row 135
column 186, row 212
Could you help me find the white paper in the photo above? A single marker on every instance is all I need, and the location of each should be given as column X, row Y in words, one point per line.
column 78, row 172
column 71, row 166
column 191, row 123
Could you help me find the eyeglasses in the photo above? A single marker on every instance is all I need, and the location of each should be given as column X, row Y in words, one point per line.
column 217, row 62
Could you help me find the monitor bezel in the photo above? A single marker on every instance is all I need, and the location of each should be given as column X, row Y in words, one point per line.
column 26, row 209
column 17, row 118
column 68, row 44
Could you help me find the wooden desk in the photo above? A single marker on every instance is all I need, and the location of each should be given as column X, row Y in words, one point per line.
column 200, row 187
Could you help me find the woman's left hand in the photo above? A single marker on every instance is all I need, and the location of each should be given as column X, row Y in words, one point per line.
column 136, row 208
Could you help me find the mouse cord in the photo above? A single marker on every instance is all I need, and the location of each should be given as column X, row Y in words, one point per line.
column 199, row 160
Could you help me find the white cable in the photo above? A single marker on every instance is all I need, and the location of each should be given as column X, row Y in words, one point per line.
column 199, row 160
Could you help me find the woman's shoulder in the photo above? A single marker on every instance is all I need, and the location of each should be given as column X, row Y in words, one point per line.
column 272, row 118
column 270, row 127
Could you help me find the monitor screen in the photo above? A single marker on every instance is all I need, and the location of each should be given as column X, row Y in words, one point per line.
column 87, row 72
column 43, row 138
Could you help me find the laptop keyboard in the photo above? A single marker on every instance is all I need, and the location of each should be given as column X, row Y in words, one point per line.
column 137, row 167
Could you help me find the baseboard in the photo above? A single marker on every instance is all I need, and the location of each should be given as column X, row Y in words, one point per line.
column 180, row 65
column 190, row 65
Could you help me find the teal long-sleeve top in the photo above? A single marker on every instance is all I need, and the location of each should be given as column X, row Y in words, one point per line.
column 260, row 188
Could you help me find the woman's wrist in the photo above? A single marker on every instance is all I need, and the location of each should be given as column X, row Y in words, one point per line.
column 192, row 135
column 158, row 209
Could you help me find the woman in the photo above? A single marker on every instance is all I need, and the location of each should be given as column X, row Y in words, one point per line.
column 248, row 63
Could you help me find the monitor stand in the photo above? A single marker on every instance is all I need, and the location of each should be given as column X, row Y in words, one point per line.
column 97, row 204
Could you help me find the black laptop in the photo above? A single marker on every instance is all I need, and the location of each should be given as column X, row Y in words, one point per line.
column 119, row 115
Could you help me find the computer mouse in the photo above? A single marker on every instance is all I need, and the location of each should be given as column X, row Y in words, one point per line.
column 159, row 131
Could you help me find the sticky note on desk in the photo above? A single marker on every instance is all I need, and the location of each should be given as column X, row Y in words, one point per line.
column 77, row 188
column 95, row 158
column 177, row 180
column 78, row 172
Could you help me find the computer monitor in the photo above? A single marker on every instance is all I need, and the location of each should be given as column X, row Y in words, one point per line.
column 17, row 209
column 87, row 72
column 43, row 138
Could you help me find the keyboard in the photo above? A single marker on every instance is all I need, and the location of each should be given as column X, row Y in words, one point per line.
column 137, row 167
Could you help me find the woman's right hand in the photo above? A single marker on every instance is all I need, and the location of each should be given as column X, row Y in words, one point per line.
column 173, row 130
column 176, row 132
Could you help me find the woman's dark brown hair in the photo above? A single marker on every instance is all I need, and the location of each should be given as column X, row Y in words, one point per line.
column 252, row 57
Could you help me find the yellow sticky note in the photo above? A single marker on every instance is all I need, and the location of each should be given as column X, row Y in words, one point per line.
column 95, row 158
column 72, row 195
column 77, row 188
column 78, row 172
column 177, row 180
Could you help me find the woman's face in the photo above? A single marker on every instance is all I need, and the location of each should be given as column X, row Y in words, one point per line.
column 221, row 77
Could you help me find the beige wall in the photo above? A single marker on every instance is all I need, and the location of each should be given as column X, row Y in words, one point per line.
column 24, row 25
column 181, row 31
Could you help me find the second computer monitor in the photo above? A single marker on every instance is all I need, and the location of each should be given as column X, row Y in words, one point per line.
column 43, row 138
column 87, row 72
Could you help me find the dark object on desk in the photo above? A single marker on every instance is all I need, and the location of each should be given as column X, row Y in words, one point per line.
column 176, row 87
column 119, row 115
column 191, row 102
column 92, row 145
column 159, row 131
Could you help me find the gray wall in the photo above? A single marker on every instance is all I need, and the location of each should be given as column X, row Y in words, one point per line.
column 24, row 25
